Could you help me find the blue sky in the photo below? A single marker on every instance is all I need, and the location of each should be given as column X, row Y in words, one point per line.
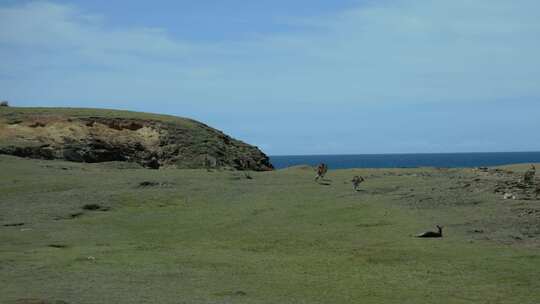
column 293, row 77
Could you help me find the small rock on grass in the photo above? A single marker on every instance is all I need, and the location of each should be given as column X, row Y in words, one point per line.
column 95, row 207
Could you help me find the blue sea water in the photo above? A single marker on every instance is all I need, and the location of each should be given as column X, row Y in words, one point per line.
column 442, row 160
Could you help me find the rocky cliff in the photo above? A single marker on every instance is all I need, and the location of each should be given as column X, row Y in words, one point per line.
column 153, row 141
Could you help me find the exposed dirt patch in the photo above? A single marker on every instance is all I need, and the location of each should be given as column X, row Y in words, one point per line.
column 91, row 207
column 516, row 189
column 95, row 207
column 57, row 246
column 149, row 184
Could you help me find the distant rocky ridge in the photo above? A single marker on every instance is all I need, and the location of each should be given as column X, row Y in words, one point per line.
column 153, row 141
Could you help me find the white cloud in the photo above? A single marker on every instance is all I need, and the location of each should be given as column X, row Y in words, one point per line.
column 404, row 51
column 52, row 26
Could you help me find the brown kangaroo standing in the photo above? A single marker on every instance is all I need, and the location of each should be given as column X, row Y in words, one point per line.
column 321, row 171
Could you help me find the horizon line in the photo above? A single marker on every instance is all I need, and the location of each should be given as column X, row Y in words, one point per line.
column 400, row 153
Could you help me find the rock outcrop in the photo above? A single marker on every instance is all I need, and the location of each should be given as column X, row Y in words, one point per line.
column 153, row 141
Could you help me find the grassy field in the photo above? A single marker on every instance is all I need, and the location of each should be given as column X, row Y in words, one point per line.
column 193, row 236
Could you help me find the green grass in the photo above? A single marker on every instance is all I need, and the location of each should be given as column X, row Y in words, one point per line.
column 217, row 237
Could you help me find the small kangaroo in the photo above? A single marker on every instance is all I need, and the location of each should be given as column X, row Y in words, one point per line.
column 431, row 234
column 528, row 177
column 356, row 182
column 321, row 171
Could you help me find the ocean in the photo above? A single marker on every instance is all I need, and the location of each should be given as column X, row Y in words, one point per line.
column 442, row 160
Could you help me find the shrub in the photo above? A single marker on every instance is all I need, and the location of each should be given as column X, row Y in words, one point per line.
column 4, row 103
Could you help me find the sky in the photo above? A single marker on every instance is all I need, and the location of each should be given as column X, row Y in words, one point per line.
column 292, row 77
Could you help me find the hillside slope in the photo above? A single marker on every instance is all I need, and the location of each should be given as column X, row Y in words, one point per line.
column 94, row 135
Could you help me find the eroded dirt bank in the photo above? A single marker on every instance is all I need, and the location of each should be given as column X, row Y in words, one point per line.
column 152, row 143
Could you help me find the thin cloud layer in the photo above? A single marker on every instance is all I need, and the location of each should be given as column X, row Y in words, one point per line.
column 411, row 51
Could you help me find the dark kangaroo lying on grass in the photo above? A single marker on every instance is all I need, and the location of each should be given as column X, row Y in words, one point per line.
column 431, row 234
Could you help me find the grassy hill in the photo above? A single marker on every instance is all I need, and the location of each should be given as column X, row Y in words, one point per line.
column 96, row 233
column 96, row 135
column 24, row 112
